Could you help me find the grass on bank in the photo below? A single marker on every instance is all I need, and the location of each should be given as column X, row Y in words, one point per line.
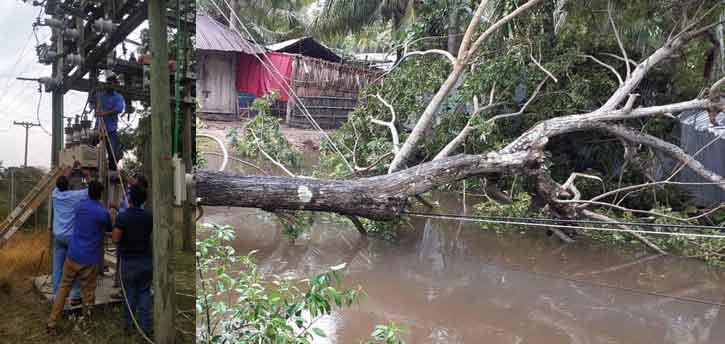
column 25, row 311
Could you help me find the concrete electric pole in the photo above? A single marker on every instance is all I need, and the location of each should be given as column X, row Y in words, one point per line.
column 27, row 126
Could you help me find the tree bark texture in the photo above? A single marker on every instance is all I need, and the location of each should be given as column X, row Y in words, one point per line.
column 379, row 198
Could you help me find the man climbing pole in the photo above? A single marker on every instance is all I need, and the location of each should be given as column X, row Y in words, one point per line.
column 112, row 104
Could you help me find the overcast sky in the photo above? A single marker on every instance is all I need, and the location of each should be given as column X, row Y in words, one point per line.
column 19, row 99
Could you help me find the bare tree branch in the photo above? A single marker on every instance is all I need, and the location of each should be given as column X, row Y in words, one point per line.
column 536, row 62
column 630, row 61
column 640, row 237
column 269, row 157
column 390, row 124
column 464, row 56
column 614, row 70
column 619, row 39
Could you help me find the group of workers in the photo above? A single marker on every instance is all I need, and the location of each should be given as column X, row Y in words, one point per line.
column 81, row 224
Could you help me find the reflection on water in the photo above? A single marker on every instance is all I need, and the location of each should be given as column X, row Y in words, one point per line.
column 451, row 282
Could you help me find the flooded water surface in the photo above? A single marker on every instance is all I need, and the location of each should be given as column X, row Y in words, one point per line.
column 452, row 282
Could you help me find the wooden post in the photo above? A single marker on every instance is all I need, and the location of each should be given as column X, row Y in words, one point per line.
column 162, row 176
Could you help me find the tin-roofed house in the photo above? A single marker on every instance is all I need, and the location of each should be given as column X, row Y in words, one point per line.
column 705, row 140
column 234, row 71
column 218, row 49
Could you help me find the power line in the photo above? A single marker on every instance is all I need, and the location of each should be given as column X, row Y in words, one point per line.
column 548, row 220
column 37, row 113
column 517, row 221
column 27, row 126
column 20, row 57
column 282, row 82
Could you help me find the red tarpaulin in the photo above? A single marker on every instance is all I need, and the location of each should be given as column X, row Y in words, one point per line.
column 253, row 77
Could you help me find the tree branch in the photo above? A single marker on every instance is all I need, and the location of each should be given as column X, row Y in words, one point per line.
column 464, row 55
column 390, row 124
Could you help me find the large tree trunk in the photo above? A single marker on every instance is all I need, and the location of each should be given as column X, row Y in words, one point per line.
column 385, row 197
column 379, row 198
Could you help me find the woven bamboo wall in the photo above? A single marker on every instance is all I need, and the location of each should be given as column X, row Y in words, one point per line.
column 328, row 90
column 328, row 112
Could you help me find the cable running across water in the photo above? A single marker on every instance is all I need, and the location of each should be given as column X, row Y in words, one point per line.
column 547, row 220
column 517, row 221
column 570, row 279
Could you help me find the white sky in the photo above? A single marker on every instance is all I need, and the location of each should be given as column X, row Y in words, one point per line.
column 19, row 99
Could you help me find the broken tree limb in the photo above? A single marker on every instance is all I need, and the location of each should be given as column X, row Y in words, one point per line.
column 378, row 198
column 358, row 224
column 599, row 217
column 464, row 56
column 390, row 124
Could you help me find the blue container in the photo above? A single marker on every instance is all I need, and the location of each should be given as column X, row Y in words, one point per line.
column 245, row 99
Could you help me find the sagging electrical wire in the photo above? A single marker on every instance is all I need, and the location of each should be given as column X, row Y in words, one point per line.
column 283, row 81
column 523, row 222
column 37, row 112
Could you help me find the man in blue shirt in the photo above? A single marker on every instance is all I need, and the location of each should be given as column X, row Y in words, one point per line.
column 112, row 104
column 64, row 203
column 91, row 222
column 132, row 233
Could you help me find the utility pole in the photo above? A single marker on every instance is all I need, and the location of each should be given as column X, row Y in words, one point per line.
column 162, row 176
column 57, row 119
column 57, row 103
column 12, row 191
column 188, row 225
column 27, row 126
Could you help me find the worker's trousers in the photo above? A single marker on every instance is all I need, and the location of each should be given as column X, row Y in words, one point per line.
column 136, row 276
column 60, row 250
column 87, row 275
column 112, row 146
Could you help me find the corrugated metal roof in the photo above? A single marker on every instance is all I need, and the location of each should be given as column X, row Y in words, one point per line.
column 212, row 35
column 700, row 121
column 306, row 46
column 283, row 44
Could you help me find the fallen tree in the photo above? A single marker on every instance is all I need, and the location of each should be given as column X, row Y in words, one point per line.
column 384, row 197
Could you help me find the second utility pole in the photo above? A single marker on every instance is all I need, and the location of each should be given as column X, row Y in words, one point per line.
column 27, row 126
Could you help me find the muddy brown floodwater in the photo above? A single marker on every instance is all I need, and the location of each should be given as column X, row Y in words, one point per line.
column 453, row 282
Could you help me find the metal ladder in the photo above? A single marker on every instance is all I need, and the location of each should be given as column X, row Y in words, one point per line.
column 30, row 203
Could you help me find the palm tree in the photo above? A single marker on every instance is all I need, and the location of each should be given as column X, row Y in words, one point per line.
column 267, row 20
column 343, row 16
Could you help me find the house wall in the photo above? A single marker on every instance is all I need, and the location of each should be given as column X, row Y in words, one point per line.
column 706, row 143
column 328, row 90
column 712, row 157
column 215, row 85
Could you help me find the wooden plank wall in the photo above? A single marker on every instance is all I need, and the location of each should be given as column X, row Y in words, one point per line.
column 216, row 85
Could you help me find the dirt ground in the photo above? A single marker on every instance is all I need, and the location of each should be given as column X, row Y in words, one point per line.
column 302, row 139
column 25, row 311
